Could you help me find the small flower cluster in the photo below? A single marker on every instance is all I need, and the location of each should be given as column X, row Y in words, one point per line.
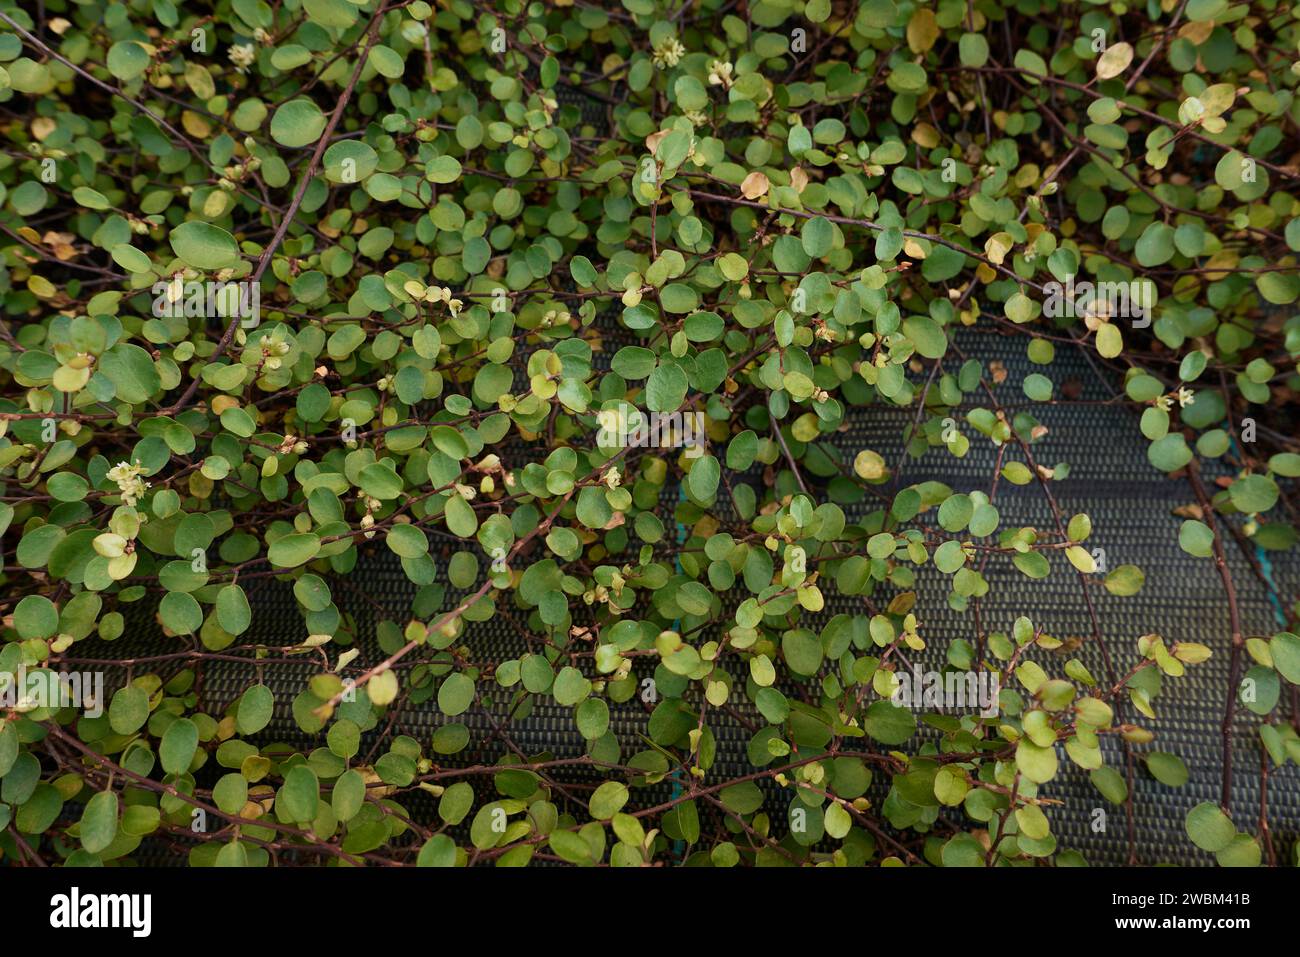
column 1184, row 396
column 668, row 53
column 130, row 485
column 720, row 74
column 434, row 294
column 242, row 56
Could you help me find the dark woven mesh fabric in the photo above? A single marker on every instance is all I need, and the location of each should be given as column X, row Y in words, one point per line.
column 1131, row 507
column 1183, row 599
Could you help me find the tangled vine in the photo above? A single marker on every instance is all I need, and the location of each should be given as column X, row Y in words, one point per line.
column 567, row 310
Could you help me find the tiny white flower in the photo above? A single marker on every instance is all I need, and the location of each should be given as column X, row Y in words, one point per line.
column 242, row 56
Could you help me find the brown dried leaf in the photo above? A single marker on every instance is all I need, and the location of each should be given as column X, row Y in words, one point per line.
column 756, row 184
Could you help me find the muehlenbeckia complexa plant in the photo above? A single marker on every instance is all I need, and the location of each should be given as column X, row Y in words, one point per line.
column 569, row 311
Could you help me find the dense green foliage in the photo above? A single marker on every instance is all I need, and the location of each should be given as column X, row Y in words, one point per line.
column 481, row 233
